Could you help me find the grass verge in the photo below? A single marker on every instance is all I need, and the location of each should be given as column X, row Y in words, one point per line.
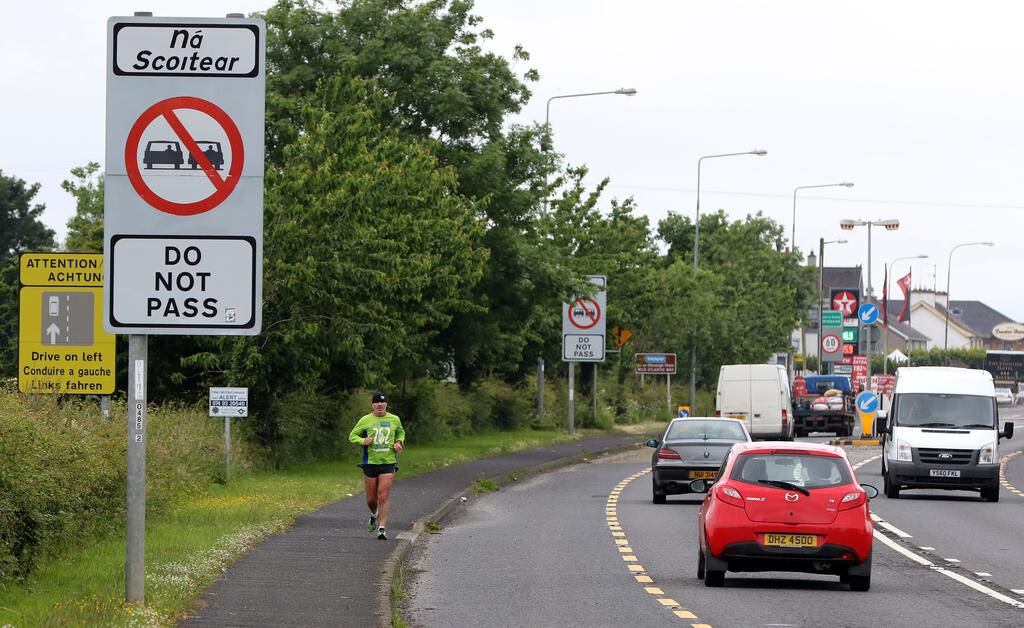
column 188, row 547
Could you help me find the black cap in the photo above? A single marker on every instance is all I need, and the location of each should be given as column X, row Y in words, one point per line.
column 378, row 397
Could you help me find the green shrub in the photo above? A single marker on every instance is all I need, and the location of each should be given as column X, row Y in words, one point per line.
column 63, row 469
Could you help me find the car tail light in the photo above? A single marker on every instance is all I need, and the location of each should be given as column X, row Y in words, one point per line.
column 852, row 500
column 785, row 418
column 718, row 413
column 730, row 496
column 668, row 454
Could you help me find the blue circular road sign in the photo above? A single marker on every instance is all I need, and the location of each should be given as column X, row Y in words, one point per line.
column 868, row 313
column 867, row 402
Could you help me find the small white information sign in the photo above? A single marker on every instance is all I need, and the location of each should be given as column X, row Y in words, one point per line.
column 229, row 402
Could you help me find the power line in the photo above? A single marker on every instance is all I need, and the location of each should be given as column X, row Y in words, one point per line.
column 844, row 199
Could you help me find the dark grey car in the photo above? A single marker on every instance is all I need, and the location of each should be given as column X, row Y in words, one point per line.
column 691, row 448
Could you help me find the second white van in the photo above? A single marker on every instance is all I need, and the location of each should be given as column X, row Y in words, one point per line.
column 759, row 395
column 942, row 432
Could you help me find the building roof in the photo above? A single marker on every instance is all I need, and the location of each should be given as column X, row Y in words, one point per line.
column 841, row 277
column 975, row 315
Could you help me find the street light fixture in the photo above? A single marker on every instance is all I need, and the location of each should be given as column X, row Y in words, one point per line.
column 890, row 224
column 821, row 287
column 696, row 247
column 622, row 91
column 792, row 238
column 949, row 270
column 885, row 312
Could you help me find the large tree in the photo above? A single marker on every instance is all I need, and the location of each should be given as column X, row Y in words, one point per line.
column 751, row 293
column 369, row 252
column 21, row 230
column 450, row 95
column 85, row 228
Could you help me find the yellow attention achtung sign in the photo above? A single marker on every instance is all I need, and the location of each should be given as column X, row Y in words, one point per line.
column 62, row 346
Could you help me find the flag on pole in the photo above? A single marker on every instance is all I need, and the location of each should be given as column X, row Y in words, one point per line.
column 904, row 285
column 885, row 296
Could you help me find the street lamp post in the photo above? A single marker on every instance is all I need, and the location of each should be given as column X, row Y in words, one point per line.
column 949, row 271
column 696, row 248
column 623, row 91
column 821, row 288
column 885, row 312
column 848, row 224
column 792, row 237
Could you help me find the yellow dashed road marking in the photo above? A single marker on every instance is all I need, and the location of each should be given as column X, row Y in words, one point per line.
column 630, row 558
column 1002, row 474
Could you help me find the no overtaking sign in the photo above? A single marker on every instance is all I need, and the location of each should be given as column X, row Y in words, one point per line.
column 183, row 207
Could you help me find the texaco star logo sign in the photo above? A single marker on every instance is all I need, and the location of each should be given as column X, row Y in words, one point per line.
column 845, row 302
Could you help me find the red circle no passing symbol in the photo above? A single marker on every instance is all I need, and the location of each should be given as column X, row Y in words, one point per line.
column 208, row 161
column 584, row 313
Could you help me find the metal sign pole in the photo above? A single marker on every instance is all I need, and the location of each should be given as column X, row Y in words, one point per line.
column 540, row 389
column 227, row 447
column 668, row 391
column 595, row 393
column 572, row 402
column 135, row 548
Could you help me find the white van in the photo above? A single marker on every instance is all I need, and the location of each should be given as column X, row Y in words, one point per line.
column 758, row 395
column 942, row 432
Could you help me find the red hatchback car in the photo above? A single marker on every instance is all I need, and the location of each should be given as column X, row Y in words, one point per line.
column 782, row 506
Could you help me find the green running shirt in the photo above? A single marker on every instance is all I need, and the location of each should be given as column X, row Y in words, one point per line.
column 385, row 431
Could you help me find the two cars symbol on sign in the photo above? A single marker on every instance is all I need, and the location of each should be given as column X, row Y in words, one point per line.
column 584, row 313
column 160, row 140
column 830, row 343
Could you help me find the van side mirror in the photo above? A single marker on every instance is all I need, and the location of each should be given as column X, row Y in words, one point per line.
column 1007, row 431
column 653, row 442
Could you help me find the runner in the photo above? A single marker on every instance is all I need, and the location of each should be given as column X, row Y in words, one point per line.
column 382, row 437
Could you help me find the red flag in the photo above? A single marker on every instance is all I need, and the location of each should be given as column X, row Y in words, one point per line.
column 885, row 297
column 904, row 285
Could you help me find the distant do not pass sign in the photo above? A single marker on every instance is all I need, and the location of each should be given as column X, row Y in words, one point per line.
column 183, row 206
column 583, row 324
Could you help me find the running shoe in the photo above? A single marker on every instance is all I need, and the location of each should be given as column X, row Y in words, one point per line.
column 382, row 534
column 372, row 525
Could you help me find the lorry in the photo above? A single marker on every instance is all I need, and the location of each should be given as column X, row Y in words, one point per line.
column 823, row 403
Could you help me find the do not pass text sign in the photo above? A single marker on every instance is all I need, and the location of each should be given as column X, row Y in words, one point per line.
column 583, row 324
column 183, row 206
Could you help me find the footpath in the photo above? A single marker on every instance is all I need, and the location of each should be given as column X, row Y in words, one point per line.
column 327, row 570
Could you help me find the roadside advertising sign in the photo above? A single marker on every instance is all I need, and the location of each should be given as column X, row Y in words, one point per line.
column 583, row 324
column 845, row 301
column 183, row 204
column 860, row 370
column 882, row 384
column 229, row 401
column 655, row 364
column 62, row 346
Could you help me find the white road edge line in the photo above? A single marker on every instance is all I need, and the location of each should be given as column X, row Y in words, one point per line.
column 977, row 586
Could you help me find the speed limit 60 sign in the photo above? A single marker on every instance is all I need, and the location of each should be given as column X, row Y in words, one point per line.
column 831, row 347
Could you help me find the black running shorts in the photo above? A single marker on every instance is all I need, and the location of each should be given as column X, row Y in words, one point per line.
column 373, row 470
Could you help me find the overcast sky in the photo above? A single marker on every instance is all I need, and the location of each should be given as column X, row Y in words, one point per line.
column 920, row 104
